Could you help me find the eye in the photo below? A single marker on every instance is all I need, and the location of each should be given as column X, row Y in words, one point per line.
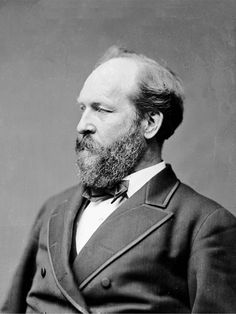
column 99, row 108
column 104, row 110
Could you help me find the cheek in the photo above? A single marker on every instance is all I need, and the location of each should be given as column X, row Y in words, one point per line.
column 114, row 131
column 107, row 137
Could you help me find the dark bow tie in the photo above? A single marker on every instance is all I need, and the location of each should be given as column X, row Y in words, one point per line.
column 120, row 190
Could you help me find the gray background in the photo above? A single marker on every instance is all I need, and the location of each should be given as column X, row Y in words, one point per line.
column 47, row 48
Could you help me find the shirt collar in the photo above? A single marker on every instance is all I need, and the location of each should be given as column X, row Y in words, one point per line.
column 139, row 178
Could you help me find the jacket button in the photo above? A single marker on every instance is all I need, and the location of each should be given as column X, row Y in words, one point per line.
column 43, row 272
column 106, row 283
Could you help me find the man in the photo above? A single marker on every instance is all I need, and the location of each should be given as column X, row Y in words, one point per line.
column 130, row 237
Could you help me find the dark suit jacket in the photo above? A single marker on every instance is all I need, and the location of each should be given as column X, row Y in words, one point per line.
column 166, row 249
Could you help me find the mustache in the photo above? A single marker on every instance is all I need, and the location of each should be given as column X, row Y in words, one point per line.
column 86, row 142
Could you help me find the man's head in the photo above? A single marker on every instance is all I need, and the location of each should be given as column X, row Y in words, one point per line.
column 130, row 105
column 158, row 89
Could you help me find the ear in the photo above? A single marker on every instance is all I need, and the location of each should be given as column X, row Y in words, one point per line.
column 152, row 123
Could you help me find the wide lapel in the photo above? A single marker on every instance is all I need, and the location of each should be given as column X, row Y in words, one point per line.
column 60, row 231
column 129, row 224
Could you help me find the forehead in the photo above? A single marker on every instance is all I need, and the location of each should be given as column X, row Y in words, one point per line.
column 114, row 78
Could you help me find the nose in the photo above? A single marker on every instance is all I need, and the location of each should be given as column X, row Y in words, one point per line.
column 85, row 124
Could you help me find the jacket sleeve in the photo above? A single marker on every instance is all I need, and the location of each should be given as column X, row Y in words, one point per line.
column 16, row 298
column 212, row 266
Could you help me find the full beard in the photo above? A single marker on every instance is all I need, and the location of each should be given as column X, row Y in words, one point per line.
column 100, row 167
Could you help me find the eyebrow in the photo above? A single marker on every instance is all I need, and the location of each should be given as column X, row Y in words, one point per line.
column 94, row 104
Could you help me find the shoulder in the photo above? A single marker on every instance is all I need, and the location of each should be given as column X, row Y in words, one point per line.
column 51, row 204
column 199, row 213
column 204, row 205
column 187, row 196
column 61, row 197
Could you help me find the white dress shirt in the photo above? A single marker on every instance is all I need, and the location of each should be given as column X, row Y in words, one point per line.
column 97, row 211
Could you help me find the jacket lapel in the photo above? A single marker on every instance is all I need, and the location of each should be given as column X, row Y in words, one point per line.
column 129, row 224
column 60, row 230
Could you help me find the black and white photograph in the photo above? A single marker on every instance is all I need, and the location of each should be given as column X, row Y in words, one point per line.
column 118, row 156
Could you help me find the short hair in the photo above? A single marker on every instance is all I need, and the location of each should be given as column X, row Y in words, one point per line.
column 159, row 90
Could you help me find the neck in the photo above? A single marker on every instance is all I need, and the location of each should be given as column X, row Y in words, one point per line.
column 151, row 157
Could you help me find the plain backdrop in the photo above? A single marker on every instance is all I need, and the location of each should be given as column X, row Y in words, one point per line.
column 47, row 49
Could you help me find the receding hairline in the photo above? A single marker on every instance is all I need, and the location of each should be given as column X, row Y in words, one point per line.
column 122, row 52
column 148, row 69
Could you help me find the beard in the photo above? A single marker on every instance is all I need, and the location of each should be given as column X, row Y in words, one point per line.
column 105, row 166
